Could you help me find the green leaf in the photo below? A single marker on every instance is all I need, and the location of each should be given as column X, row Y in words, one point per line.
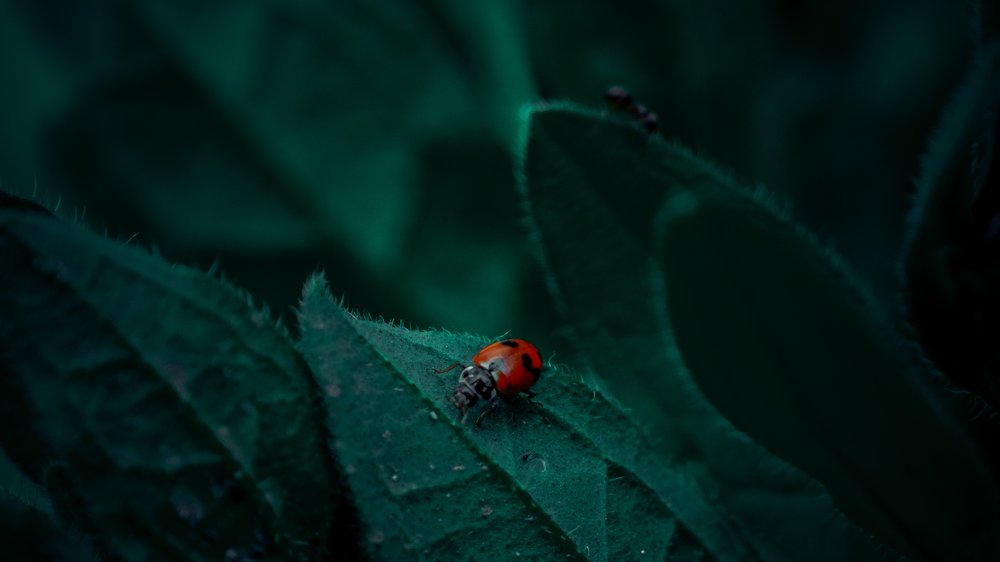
column 275, row 137
column 779, row 336
column 293, row 110
column 32, row 534
column 591, row 185
column 71, row 512
column 17, row 485
column 188, row 424
column 570, row 476
column 37, row 91
column 14, row 203
column 951, row 254
column 32, row 530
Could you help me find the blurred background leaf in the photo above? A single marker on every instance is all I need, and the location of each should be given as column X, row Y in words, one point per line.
column 951, row 256
column 592, row 186
column 374, row 138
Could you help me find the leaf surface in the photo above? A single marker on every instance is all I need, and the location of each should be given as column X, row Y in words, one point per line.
column 592, row 184
column 567, row 477
column 187, row 423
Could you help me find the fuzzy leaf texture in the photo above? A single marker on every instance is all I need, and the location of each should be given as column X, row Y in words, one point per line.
column 34, row 534
column 725, row 310
column 184, row 423
column 30, row 526
column 568, row 477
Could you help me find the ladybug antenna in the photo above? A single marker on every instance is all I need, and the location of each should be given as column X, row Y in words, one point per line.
column 502, row 336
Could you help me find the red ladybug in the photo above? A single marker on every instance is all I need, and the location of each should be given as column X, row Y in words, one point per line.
column 503, row 369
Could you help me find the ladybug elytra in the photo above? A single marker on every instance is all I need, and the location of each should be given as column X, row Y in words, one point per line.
column 502, row 369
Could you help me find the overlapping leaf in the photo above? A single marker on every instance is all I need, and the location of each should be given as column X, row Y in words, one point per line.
column 294, row 110
column 32, row 534
column 277, row 136
column 187, row 424
column 779, row 339
column 951, row 255
column 568, row 477
column 592, row 186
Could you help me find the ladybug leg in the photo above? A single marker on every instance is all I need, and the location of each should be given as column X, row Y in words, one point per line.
column 530, row 394
column 486, row 412
column 448, row 368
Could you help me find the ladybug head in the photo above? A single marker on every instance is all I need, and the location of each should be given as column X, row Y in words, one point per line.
column 474, row 384
column 463, row 399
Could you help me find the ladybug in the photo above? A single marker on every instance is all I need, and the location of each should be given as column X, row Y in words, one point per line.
column 621, row 100
column 502, row 369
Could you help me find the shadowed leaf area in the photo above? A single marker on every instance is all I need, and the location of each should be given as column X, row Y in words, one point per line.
column 566, row 477
column 187, row 427
column 32, row 529
column 724, row 307
column 951, row 255
column 719, row 385
column 34, row 535
column 273, row 137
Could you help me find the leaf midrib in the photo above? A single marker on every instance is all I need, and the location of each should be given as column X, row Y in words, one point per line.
column 541, row 515
column 607, row 456
column 150, row 370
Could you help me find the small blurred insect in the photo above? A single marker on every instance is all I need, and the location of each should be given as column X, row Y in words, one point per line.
column 620, row 99
column 502, row 369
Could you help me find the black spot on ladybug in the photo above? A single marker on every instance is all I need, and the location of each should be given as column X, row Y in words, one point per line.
column 509, row 343
column 536, row 371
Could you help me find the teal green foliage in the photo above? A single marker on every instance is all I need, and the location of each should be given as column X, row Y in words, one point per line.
column 373, row 139
column 33, row 535
column 331, row 134
column 569, row 477
column 719, row 386
column 47, row 520
column 592, row 185
column 188, row 425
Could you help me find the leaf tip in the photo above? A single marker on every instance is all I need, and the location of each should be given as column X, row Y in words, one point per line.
column 315, row 286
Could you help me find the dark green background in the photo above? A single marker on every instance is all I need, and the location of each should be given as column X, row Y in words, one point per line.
column 379, row 140
column 375, row 139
